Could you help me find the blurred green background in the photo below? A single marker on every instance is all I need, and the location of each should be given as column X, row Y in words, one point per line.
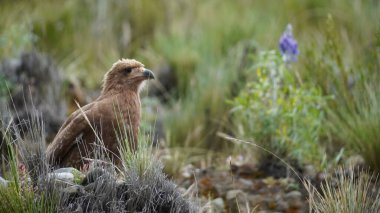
column 213, row 51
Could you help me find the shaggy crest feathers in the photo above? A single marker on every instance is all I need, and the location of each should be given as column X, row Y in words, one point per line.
column 117, row 67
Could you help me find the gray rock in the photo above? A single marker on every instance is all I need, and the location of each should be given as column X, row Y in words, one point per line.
column 355, row 160
column 68, row 170
column 310, row 172
column 36, row 81
column 236, row 200
column 255, row 200
column 74, row 189
column 3, row 182
column 96, row 175
column 232, row 194
column 281, row 205
column 63, row 176
column 294, row 199
column 245, row 182
column 217, row 205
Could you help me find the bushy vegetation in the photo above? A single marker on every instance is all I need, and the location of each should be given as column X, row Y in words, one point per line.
column 279, row 113
column 228, row 75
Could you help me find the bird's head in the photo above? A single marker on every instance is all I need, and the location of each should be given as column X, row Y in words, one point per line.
column 126, row 74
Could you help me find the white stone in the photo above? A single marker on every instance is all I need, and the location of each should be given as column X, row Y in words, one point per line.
column 217, row 204
column 3, row 182
column 64, row 176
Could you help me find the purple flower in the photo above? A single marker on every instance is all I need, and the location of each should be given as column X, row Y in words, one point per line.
column 288, row 45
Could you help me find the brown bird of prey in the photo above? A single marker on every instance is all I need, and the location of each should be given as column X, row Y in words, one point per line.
column 117, row 105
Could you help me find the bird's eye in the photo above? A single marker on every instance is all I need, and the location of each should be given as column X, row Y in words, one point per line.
column 128, row 70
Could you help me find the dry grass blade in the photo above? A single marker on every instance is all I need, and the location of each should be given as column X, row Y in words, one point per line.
column 351, row 192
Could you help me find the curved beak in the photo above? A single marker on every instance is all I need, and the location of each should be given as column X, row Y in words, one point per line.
column 148, row 74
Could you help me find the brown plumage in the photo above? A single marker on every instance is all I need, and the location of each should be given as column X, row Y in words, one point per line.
column 118, row 104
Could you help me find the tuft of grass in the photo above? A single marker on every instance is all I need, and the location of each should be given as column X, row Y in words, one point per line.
column 22, row 194
column 357, row 124
column 350, row 78
column 140, row 160
column 353, row 192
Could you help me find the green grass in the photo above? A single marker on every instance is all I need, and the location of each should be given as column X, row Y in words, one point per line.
column 357, row 124
column 21, row 194
column 211, row 48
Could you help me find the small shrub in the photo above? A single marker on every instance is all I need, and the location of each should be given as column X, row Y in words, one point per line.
column 17, row 38
column 279, row 114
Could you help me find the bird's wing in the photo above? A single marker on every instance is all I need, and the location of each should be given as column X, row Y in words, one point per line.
column 70, row 130
column 74, row 115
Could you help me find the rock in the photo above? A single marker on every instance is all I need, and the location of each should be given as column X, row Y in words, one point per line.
column 241, row 168
column 74, row 189
column 294, row 199
column 233, row 193
column 207, row 187
column 35, row 81
column 322, row 176
column 71, row 194
column 281, row 205
column 355, row 161
column 217, row 205
column 63, row 176
column 255, row 201
column 77, row 175
column 236, row 200
column 188, row 171
column 245, row 182
column 90, row 187
column 96, row 174
column 3, row 182
column 68, row 170
column 309, row 172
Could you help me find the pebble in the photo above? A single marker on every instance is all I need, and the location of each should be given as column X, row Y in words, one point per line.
column 294, row 199
column 353, row 161
column 236, row 200
column 245, row 182
column 255, row 200
column 65, row 170
column 97, row 174
column 74, row 189
column 309, row 172
column 64, row 176
column 232, row 194
column 187, row 171
column 217, row 205
column 3, row 182
column 281, row 205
